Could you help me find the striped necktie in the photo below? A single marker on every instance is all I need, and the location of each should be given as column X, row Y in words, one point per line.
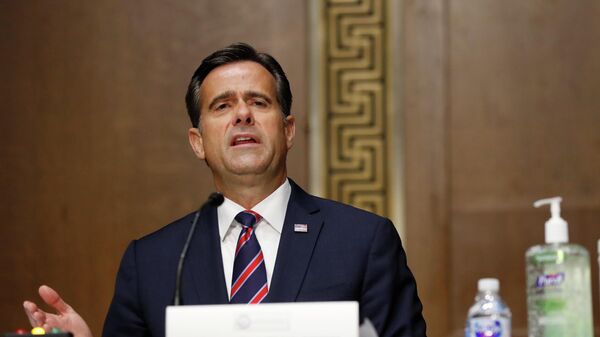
column 249, row 279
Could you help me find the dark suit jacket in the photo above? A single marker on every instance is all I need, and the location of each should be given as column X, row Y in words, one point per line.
column 347, row 255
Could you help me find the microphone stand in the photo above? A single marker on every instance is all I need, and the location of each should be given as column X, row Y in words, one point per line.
column 215, row 199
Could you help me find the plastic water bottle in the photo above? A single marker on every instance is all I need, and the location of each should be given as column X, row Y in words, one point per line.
column 488, row 316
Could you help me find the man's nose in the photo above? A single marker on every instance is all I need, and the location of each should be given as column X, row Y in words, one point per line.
column 243, row 115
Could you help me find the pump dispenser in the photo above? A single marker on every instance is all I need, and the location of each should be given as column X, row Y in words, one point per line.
column 558, row 282
column 556, row 228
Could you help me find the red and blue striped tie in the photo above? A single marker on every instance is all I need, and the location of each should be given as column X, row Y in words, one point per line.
column 249, row 283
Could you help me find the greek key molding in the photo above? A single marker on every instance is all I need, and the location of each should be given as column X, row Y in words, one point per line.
column 353, row 121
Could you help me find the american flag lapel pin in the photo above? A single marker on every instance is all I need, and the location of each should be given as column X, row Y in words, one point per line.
column 301, row 228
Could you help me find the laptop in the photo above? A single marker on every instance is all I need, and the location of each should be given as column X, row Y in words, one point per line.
column 305, row 319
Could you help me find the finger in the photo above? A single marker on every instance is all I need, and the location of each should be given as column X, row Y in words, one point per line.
column 40, row 317
column 53, row 321
column 75, row 324
column 52, row 298
column 30, row 309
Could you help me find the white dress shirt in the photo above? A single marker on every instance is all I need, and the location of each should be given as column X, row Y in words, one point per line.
column 268, row 230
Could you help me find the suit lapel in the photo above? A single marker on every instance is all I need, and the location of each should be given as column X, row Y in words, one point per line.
column 295, row 248
column 204, row 269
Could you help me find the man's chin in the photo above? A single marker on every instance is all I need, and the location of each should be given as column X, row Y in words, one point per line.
column 243, row 169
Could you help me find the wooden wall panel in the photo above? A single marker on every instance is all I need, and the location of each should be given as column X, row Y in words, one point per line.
column 524, row 125
column 426, row 163
column 501, row 108
column 93, row 131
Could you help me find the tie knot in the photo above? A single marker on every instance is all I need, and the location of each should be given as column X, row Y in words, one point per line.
column 247, row 218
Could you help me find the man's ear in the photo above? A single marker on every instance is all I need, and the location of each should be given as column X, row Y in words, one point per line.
column 197, row 143
column 290, row 130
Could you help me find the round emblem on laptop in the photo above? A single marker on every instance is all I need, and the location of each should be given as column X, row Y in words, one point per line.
column 243, row 322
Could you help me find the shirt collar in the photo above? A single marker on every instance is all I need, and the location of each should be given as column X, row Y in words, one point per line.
column 272, row 209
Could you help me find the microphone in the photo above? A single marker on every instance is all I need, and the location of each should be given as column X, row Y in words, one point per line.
column 214, row 199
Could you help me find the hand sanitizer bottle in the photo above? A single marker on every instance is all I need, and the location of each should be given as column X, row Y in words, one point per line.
column 559, row 298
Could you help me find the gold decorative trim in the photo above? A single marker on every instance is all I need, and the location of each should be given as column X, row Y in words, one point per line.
column 354, row 124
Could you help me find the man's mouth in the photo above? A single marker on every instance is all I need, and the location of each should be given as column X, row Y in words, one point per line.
column 241, row 140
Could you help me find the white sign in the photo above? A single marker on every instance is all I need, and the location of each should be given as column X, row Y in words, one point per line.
column 306, row 319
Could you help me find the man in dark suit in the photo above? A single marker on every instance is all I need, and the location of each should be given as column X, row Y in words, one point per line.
column 298, row 247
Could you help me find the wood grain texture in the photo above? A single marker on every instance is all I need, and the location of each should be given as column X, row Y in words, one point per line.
column 523, row 125
column 93, row 131
column 427, row 195
column 501, row 108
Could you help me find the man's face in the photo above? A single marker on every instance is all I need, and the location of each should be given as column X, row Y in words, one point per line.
column 242, row 129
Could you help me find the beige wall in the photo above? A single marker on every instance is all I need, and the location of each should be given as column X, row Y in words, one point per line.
column 93, row 131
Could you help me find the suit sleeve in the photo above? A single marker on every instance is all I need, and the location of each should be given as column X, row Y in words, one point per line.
column 124, row 316
column 389, row 294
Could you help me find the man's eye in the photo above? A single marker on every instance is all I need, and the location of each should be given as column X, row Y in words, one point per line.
column 221, row 106
column 260, row 103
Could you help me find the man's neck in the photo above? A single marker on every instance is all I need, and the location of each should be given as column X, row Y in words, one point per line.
column 248, row 191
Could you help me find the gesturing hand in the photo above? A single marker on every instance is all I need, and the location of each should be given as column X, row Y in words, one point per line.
column 65, row 319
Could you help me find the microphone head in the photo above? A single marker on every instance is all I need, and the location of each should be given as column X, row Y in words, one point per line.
column 215, row 199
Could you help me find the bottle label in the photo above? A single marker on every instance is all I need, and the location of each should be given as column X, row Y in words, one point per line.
column 488, row 327
column 550, row 280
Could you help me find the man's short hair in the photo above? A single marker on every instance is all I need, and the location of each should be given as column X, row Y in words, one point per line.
column 230, row 54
